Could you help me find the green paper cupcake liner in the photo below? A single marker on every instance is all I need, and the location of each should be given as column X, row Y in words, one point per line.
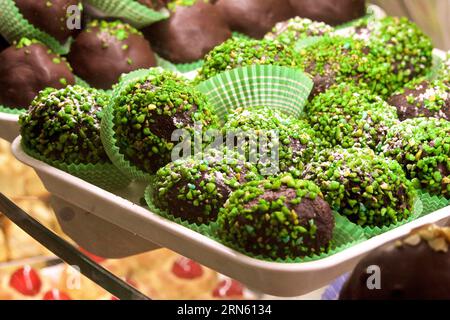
column 13, row 27
column 239, row 35
column 80, row 82
column 435, row 68
column 416, row 213
column 7, row 110
column 308, row 41
column 286, row 89
column 188, row 67
column 107, row 130
column 103, row 175
column 432, row 203
column 132, row 11
column 165, row 64
column 342, row 231
column 345, row 234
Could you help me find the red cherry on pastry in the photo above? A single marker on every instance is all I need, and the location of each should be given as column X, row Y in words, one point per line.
column 228, row 288
column 187, row 269
column 26, row 281
column 56, row 294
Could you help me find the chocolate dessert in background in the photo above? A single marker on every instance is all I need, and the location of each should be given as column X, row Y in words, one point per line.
column 254, row 17
column 189, row 33
column 415, row 267
column 105, row 50
column 49, row 16
column 28, row 68
column 329, row 11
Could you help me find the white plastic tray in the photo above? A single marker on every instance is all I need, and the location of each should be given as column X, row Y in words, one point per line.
column 9, row 128
column 114, row 226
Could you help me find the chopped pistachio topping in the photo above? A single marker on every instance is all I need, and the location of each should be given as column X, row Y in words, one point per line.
column 290, row 31
column 349, row 116
column 148, row 110
column 118, row 29
column 400, row 44
column 195, row 189
column 64, row 125
column 369, row 189
column 261, row 218
column 422, row 147
column 296, row 141
column 235, row 53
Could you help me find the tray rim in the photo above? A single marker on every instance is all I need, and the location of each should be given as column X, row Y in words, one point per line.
column 208, row 243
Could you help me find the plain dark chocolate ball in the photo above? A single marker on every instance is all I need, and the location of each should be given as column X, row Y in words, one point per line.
column 254, row 17
column 407, row 271
column 329, row 11
column 189, row 33
column 105, row 50
column 28, row 69
column 50, row 16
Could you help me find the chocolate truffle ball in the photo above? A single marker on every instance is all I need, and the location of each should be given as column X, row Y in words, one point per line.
column 399, row 43
column 259, row 129
column 329, row 11
column 295, row 29
column 348, row 116
column 236, row 53
column 423, row 98
column 413, row 268
column 49, row 16
column 190, row 32
column 105, row 50
column 422, row 147
column 254, row 17
column 368, row 189
column 26, row 69
column 64, row 125
column 195, row 189
column 281, row 218
column 336, row 59
column 149, row 110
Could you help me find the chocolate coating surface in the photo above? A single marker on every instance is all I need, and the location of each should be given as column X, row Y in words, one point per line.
column 408, row 271
column 254, row 17
column 102, row 52
column 29, row 69
column 330, row 11
column 426, row 99
column 49, row 16
column 189, row 33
